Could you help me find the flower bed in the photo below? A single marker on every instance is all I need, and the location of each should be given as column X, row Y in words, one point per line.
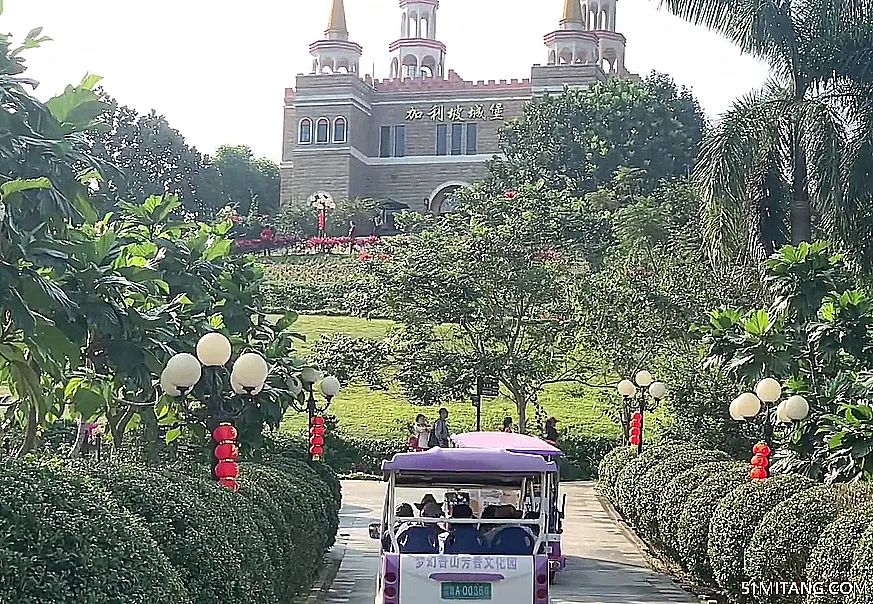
column 270, row 242
column 706, row 515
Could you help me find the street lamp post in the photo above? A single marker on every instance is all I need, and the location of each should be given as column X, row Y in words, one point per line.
column 750, row 405
column 329, row 388
column 644, row 386
column 205, row 373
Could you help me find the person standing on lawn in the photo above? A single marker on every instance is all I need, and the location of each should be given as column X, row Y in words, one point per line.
column 441, row 432
column 507, row 424
column 552, row 431
column 422, row 432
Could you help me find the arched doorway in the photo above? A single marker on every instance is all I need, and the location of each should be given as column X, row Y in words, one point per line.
column 438, row 202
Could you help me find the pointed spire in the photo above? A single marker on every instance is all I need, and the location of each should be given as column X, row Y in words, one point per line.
column 336, row 23
column 572, row 12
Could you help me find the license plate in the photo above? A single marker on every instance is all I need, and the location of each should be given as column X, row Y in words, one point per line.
column 465, row 591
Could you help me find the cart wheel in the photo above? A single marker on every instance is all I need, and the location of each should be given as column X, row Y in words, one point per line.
column 552, row 575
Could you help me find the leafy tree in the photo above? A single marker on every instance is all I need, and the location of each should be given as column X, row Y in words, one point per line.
column 247, row 181
column 793, row 156
column 579, row 139
column 502, row 269
column 142, row 156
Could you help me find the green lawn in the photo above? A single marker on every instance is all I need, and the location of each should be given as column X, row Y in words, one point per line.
column 364, row 412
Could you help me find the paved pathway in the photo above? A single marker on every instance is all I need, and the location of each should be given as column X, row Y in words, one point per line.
column 603, row 566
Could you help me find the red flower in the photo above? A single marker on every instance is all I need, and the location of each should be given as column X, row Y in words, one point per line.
column 384, row 256
column 266, row 234
column 364, row 256
column 511, row 194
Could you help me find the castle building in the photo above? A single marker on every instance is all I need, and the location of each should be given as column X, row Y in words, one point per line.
column 409, row 140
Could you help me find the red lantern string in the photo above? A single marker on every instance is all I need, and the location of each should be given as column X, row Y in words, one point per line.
column 316, row 438
column 227, row 453
column 760, row 461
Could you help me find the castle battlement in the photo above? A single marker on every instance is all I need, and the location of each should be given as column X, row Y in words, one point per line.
column 453, row 83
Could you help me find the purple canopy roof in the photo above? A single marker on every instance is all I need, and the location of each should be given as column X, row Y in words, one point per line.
column 517, row 443
column 471, row 461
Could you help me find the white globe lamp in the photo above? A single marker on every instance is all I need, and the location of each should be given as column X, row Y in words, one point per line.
column 748, row 405
column 329, row 386
column 643, row 378
column 295, row 387
column 213, row 349
column 782, row 414
column 168, row 387
column 251, row 371
column 309, row 375
column 735, row 414
column 796, row 407
column 183, row 371
column 627, row 388
column 658, row 390
column 768, row 390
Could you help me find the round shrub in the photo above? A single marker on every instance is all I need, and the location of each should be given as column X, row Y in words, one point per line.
column 610, row 466
column 191, row 529
column 66, row 540
column 862, row 568
column 692, row 531
column 831, row 558
column 788, row 532
column 655, row 481
column 627, row 485
column 737, row 517
column 675, row 495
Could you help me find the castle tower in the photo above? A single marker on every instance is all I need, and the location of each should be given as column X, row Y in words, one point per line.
column 418, row 53
column 335, row 54
column 573, row 43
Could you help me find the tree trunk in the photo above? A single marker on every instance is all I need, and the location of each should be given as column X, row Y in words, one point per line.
column 30, row 434
column 521, row 405
column 152, row 434
column 801, row 212
column 81, row 434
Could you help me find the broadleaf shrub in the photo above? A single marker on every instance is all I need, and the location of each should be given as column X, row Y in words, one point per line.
column 788, row 532
column 692, row 533
column 627, row 485
column 610, row 467
column 655, row 481
column 737, row 517
column 65, row 539
column 674, row 497
column 831, row 559
column 352, row 360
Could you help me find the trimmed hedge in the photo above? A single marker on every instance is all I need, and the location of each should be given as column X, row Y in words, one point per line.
column 788, row 532
column 66, row 540
column 655, row 481
column 831, row 559
column 734, row 523
column 610, row 467
column 693, row 528
column 862, row 567
column 627, row 484
column 674, row 497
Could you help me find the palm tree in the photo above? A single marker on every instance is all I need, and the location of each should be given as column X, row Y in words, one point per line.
column 787, row 158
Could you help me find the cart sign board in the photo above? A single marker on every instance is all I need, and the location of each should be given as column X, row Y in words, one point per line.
column 488, row 385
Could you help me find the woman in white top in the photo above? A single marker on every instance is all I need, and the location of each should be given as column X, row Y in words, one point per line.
column 422, row 432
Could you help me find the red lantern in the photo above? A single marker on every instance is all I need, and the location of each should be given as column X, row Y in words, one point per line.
column 758, row 474
column 759, row 461
column 637, row 416
column 317, row 421
column 227, row 469
column 635, row 423
column 761, row 449
column 634, row 440
column 316, row 450
column 321, row 220
column 318, row 430
column 224, row 432
column 229, row 483
column 635, row 432
column 227, row 451
column 317, row 441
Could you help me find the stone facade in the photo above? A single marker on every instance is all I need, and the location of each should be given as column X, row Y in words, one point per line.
column 413, row 138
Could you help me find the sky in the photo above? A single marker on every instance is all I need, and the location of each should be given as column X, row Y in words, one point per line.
column 217, row 69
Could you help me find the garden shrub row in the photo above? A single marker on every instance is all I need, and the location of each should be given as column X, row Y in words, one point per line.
column 700, row 510
column 117, row 533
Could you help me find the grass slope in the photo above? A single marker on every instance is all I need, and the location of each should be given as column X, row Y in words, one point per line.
column 378, row 414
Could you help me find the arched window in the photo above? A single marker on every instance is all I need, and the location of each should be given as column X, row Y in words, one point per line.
column 322, row 130
column 339, row 130
column 305, row 136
